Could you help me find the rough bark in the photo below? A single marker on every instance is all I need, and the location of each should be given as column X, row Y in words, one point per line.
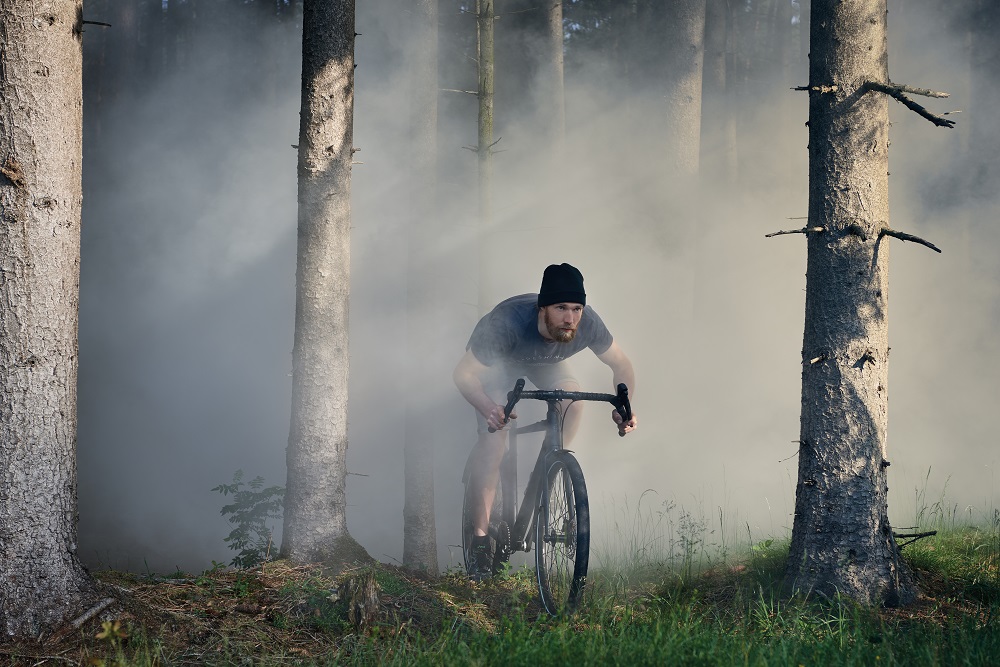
column 841, row 538
column 42, row 583
column 315, row 523
column 419, row 532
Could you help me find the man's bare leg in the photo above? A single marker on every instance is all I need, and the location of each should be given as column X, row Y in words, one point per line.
column 489, row 452
column 483, row 477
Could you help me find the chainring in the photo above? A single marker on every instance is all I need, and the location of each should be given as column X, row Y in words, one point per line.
column 503, row 549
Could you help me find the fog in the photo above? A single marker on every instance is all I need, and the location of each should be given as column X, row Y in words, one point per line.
column 188, row 268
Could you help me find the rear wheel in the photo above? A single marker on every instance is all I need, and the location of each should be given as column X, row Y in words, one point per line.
column 562, row 535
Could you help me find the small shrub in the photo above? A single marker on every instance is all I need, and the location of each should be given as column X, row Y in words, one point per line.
column 252, row 507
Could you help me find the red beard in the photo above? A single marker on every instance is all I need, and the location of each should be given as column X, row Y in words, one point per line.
column 557, row 333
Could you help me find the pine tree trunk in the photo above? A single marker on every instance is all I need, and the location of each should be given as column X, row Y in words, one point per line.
column 529, row 40
column 551, row 79
column 984, row 141
column 42, row 583
column 683, row 60
column 486, row 22
column 419, row 532
column 841, row 538
column 315, row 523
column 718, row 124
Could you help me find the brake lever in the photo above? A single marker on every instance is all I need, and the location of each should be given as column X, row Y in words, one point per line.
column 624, row 407
column 512, row 398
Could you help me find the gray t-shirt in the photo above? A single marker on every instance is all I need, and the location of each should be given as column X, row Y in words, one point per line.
column 508, row 334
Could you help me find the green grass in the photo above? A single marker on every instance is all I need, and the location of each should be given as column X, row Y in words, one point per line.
column 681, row 635
column 733, row 615
column 686, row 605
column 728, row 613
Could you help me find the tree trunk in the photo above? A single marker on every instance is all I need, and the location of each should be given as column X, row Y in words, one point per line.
column 315, row 523
column 683, row 60
column 419, row 533
column 530, row 52
column 551, row 79
column 984, row 142
column 718, row 124
column 486, row 22
column 842, row 542
column 42, row 583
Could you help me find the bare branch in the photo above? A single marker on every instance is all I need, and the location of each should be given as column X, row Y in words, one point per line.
column 903, row 88
column 92, row 612
column 819, row 89
column 518, row 11
column 913, row 537
column 467, row 92
column 896, row 93
column 804, row 230
column 903, row 236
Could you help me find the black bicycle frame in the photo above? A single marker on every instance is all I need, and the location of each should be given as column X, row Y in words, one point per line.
column 551, row 445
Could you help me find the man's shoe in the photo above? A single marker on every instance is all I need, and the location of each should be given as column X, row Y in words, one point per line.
column 482, row 559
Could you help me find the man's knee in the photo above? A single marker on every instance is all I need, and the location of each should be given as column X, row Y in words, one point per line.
column 490, row 447
column 569, row 384
column 569, row 407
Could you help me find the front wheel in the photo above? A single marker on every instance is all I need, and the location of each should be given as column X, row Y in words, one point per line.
column 562, row 535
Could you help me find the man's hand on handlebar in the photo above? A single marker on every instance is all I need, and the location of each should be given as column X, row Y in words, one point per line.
column 495, row 419
column 623, row 426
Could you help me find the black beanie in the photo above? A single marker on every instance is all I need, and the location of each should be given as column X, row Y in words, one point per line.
column 561, row 283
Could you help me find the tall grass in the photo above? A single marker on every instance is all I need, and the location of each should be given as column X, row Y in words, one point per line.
column 670, row 588
column 646, row 538
column 689, row 633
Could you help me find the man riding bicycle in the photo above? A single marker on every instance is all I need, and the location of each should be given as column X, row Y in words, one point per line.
column 530, row 336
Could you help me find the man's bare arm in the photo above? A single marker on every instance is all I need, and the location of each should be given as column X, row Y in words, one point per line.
column 467, row 377
column 621, row 369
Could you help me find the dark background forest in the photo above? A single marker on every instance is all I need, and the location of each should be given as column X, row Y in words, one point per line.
column 188, row 261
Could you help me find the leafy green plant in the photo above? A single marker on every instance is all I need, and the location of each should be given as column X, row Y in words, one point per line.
column 253, row 506
column 113, row 634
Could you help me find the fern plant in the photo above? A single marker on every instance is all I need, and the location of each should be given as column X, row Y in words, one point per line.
column 253, row 506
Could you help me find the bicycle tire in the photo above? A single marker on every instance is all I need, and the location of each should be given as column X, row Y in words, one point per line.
column 562, row 535
column 494, row 532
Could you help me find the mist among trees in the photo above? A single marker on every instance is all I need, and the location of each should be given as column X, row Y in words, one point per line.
column 652, row 144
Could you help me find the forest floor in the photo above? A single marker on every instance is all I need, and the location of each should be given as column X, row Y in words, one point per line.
column 281, row 614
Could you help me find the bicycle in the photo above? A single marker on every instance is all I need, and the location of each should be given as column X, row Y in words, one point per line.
column 555, row 512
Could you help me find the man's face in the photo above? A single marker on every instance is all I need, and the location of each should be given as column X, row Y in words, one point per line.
column 562, row 320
